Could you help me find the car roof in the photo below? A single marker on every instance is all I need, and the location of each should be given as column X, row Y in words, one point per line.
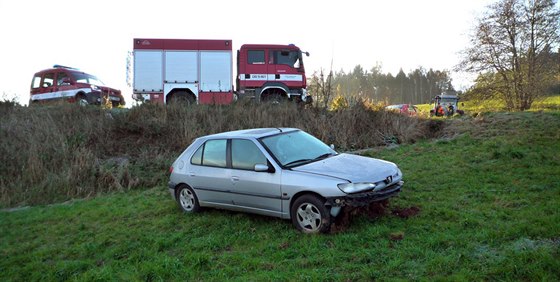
column 250, row 133
column 62, row 69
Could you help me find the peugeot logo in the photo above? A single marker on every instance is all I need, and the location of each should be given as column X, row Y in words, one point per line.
column 388, row 180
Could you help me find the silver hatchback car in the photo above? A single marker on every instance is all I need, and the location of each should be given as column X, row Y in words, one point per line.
column 281, row 172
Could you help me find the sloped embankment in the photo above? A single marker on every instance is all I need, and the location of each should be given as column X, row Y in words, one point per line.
column 52, row 154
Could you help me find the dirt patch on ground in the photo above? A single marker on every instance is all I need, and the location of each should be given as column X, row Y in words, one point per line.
column 371, row 211
column 406, row 212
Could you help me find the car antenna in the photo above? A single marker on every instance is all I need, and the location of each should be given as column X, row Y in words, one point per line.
column 279, row 129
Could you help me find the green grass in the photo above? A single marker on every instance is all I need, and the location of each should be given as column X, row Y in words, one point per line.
column 548, row 103
column 489, row 203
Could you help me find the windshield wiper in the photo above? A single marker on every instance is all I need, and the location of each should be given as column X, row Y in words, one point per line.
column 324, row 156
column 302, row 161
column 298, row 161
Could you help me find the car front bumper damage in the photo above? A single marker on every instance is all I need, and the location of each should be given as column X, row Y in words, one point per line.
column 363, row 198
column 96, row 97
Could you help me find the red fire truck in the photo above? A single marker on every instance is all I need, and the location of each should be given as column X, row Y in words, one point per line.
column 201, row 71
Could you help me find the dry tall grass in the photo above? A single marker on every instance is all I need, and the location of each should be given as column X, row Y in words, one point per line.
column 52, row 154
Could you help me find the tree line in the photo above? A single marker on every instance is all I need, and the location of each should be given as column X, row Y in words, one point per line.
column 419, row 86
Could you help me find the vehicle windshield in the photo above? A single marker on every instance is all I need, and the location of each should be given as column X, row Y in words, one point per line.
column 448, row 101
column 88, row 78
column 296, row 148
column 291, row 58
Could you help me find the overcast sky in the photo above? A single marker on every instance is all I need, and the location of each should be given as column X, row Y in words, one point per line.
column 95, row 36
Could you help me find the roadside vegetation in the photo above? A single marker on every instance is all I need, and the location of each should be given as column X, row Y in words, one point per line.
column 484, row 196
column 57, row 153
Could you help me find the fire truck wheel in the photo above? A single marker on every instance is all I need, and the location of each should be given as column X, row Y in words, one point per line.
column 273, row 96
column 181, row 98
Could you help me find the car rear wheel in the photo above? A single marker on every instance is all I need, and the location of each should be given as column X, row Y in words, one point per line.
column 310, row 215
column 187, row 199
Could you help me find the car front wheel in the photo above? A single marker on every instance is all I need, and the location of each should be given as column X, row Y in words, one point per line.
column 187, row 199
column 309, row 215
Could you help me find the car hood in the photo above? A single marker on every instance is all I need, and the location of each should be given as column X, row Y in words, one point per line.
column 352, row 168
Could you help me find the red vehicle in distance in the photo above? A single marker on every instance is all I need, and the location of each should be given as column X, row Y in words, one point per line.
column 62, row 83
column 407, row 109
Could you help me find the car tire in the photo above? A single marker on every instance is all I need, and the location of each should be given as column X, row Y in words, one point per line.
column 81, row 100
column 187, row 199
column 310, row 215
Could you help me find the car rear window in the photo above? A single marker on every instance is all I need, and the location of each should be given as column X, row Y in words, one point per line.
column 197, row 157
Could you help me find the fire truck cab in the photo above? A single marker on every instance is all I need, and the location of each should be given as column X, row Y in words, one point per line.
column 271, row 72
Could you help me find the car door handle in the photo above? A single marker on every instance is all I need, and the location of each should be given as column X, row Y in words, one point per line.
column 234, row 178
column 191, row 174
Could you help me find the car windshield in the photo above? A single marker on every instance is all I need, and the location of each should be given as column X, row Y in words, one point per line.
column 87, row 78
column 296, row 148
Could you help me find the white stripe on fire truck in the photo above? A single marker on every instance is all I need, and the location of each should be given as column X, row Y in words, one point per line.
column 271, row 77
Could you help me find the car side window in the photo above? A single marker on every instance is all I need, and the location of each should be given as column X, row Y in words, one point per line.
column 48, row 80
column 245, row 154
column 214, row 153
column 255, row 57
column 197, row 156
column 60, row 79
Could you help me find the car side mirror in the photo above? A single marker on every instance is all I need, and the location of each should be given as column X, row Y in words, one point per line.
column 261, row 168
column 332, row 146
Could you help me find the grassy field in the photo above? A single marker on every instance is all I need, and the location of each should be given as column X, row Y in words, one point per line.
column 488, row 194
column 548, row 103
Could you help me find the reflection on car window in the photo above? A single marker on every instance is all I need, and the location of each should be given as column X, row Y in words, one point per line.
column 245, row 154
column 87, row 78
column 214, row 153
column 296, row 145
column 197, row 157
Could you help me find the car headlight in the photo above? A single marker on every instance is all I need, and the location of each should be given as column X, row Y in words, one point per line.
column 350, row 188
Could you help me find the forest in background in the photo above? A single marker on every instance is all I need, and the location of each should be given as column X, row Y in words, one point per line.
column 419, row 86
